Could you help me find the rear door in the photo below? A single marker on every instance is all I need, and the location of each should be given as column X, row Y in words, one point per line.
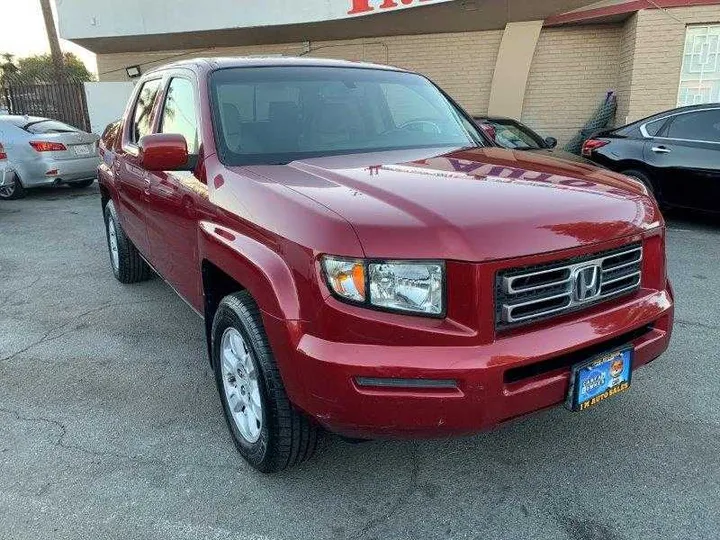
column 177, row 198
column 685, row 159
column 132, row 180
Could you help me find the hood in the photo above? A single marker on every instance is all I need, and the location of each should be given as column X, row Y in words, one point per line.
column 470, row 204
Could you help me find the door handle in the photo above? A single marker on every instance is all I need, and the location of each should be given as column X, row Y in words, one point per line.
column 661, row 150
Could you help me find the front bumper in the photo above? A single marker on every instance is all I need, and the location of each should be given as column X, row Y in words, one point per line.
column 514, row 375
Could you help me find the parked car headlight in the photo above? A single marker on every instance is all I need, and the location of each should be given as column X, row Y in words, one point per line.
column 404, row 286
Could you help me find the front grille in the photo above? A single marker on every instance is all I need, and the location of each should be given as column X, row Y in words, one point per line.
column 526, row 295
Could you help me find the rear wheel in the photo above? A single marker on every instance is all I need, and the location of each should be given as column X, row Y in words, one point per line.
column 14, row 191
column 642, row 177
column 127, row 264
column 82, row 184
column 267, row 430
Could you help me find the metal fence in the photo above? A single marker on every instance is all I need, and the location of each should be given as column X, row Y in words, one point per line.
column 61, row 100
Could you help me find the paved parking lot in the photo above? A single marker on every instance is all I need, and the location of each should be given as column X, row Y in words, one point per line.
column 110, row 426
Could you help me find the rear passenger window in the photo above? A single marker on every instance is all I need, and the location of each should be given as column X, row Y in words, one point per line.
column 179, row 113
column 697, row 126
column 653, row 128
column 142, row 117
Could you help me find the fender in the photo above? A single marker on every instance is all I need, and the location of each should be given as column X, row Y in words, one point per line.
column 256, row 267
column 269, row 280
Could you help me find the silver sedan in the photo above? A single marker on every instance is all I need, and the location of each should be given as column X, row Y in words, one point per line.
column 44, row 152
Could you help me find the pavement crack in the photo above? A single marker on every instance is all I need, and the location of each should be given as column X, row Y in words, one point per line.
column 47, row 336
column 400, row 501
column 16, row 292
column 683, row 322
column 61, row 442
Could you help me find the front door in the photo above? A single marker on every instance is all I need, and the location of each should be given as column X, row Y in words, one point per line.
column 132, row 179
column 177, row 198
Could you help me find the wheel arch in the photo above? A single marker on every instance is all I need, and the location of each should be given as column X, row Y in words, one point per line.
column 232, row 263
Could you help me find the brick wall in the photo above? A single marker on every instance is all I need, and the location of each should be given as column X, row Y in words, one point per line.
column 657, row 58
column 573, row 68
column 462, row 63
column 625, row 69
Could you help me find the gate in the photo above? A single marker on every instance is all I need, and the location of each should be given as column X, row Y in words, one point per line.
column 62, row 100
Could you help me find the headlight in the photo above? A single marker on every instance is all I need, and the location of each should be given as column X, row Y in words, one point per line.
column 405, row 286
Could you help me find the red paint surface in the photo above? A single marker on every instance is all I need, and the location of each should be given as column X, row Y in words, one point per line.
column 481, row 210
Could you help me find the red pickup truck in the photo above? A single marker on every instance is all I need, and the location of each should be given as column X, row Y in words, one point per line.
column 365, row 261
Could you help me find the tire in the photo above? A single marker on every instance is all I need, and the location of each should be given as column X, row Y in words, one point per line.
column 82, row 184
column 14, row 191
column 275, row 436
column 125, row 260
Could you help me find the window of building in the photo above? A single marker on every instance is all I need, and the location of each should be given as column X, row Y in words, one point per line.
column 142, row 117
column 179, row 114
column 700, row 76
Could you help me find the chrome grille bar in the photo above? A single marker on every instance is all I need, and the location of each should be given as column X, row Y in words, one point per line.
column 529, row 294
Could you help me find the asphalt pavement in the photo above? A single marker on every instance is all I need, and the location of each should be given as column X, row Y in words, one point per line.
column 111, row 428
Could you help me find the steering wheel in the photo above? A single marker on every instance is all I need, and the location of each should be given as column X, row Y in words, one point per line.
column 434, row 127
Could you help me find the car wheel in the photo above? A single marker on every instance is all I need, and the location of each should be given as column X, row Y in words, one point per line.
column 267, row 430
column 14, row 190
column 645, row 179
column 82, row 184
column 127, row 264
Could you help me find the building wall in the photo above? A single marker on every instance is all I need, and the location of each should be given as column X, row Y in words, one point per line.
column 657, row 57
column 462, row 63
column 625, row 69
column 572, row 70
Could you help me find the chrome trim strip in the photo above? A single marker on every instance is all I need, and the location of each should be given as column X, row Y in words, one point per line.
column 508, row 288
column 615, row 280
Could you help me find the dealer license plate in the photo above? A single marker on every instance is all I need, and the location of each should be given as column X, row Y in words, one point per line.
column 599, row 378
column 83, row 149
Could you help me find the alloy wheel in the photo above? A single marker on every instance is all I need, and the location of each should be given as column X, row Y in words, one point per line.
column 240, row 384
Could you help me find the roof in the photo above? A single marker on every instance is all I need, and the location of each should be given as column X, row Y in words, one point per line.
column 213, row 63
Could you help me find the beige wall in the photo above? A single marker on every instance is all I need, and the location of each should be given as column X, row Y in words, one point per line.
column 657, row 58
column 572, row 70
column 462, row 63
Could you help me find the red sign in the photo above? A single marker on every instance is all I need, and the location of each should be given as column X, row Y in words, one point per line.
column 358, row 7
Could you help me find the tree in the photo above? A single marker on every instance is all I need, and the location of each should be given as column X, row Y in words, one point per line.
column 7, row 66
column 40, row 69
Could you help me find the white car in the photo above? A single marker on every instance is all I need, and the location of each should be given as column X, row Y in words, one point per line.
column 7, row 173
column 45, row 152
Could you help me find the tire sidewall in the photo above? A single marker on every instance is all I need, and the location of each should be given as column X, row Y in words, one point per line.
column 255, row 453
column 110, row 215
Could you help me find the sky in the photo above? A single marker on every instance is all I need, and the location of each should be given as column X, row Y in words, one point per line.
column 22, row 32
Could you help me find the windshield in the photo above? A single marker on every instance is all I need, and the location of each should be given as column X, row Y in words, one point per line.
column 275, row 115
column 508, row 134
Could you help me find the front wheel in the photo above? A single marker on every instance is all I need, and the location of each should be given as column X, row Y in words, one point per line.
column 267, row 430
column 127, row 264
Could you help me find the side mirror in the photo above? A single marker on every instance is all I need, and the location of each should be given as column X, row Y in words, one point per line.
column 551, row 142
column 163, row 152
